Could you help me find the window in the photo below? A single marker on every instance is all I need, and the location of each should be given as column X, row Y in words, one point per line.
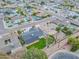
column 7, row 41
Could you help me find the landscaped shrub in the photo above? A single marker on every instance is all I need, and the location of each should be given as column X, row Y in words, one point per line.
column 74, row 48
column 21, row 40
column 74, row 17
column 50, row 39
column 67, row 31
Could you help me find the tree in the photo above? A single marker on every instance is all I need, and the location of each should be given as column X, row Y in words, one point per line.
column 21, row 11
column 74, row 42
column 68, row 4
column 34, row 13
column 42, row 3
column 58, row 29
column 21, row 39
column 74, row 17
column 4, row 0
column 19, row 32
column 51, row 39
column 8, row 18
column 67, row 31
column 71, row 40
column 34, row 53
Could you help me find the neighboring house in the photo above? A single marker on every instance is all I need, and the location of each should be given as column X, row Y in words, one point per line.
column 9, row 42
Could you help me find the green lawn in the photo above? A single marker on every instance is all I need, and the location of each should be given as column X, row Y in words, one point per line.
column 40, row 44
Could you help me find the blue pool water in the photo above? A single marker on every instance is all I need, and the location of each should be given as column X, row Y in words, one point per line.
column 64, row 55
column 32, row 35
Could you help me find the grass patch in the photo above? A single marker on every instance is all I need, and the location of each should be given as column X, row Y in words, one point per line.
column 40, row 44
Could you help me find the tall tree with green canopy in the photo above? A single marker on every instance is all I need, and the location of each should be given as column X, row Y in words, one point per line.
column 74, row 42
column 58, row 29
column 21, row 11
column 68, row 3
column 34, row 53
column 67, row 31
